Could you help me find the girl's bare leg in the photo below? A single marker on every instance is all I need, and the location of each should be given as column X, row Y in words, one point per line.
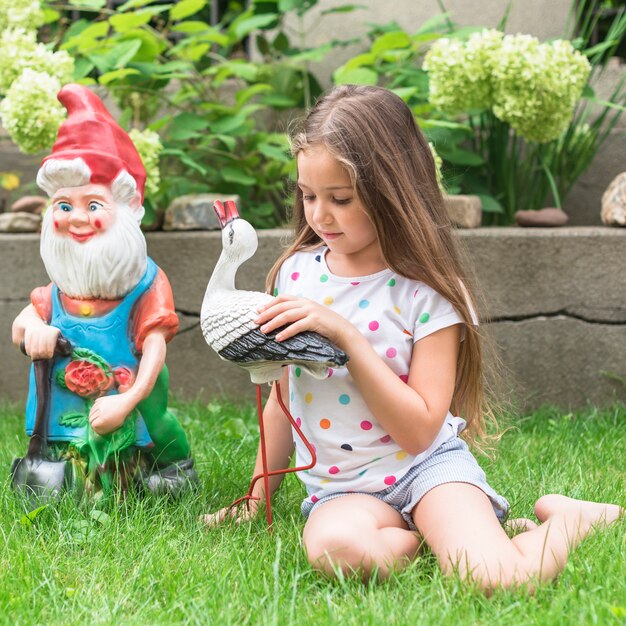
column 358, row 533
column 458, row 523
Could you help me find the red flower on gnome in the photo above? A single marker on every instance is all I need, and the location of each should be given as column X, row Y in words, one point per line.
column 87, row 379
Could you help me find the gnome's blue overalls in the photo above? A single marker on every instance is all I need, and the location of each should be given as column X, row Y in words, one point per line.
column 157, row 431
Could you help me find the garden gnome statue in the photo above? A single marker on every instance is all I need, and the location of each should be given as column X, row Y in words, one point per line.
column 107, row 416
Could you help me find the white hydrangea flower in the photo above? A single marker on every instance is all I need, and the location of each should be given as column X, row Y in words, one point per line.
column 25, row 14
column 537, row 85
column 460, row 74
column 19, row 50
column 149, row 146
column 30, row 112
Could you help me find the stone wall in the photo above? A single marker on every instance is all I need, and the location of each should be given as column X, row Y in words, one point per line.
column 557, row 300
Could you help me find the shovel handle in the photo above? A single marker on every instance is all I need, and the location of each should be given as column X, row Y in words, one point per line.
column 43, row 370
column 63, row 347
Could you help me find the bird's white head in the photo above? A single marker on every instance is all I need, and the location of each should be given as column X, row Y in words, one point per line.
column 239, row 239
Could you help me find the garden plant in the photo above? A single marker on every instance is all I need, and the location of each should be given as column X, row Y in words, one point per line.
column 208, row 101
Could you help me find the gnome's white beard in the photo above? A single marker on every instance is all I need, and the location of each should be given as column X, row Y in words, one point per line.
column 108, row 266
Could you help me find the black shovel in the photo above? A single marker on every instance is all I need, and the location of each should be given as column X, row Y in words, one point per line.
column 35, row 476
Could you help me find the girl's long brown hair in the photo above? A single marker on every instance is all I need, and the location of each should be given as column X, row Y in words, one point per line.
column 372, row 132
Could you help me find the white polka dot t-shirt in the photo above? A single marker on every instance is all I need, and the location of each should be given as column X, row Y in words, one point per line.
column 353, row 451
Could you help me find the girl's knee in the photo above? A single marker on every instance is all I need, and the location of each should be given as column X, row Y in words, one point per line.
column 331, row 548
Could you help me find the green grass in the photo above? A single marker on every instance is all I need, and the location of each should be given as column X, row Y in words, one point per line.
column 150, row 562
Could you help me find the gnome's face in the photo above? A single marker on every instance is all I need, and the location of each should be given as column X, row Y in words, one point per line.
column 91, row 243
column 83, row 212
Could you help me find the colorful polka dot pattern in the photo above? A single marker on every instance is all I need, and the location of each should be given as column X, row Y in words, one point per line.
column 354, row 450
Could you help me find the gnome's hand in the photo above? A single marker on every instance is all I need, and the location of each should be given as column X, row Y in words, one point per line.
column 108, row 413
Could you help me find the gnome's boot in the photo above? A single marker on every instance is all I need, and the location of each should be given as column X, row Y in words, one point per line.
column 173, row 479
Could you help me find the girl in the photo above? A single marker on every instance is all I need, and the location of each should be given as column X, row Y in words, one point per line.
column 374, row 268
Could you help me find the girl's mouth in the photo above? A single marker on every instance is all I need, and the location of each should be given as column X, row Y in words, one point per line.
column 330, row 236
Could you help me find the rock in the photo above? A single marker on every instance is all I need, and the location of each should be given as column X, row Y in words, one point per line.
column 30, row 204
column 464, row 211
column 614, row 202
column 19, row 222
column 195, row 212
column 542, row 217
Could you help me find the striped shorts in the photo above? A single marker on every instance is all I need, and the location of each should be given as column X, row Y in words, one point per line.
column 452, row 462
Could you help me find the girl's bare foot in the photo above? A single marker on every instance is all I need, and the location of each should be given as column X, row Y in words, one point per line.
column 519, row 525
column 588, row 513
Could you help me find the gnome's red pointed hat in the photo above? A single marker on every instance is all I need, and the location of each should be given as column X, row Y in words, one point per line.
column 91, row 134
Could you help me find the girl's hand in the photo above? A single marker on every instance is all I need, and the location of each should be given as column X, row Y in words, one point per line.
column 300, row 314
column 238, row 514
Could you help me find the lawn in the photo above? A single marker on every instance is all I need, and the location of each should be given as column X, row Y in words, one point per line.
column 150, row 562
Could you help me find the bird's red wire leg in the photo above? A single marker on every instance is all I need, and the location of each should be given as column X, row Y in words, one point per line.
column 265, row 474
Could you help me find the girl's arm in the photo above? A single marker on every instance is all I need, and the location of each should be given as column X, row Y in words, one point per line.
column 279, row 444
column 411, row 413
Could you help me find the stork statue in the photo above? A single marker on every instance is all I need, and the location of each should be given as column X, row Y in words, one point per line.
column 227, row 322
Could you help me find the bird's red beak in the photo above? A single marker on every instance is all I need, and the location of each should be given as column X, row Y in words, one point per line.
column 226, row 212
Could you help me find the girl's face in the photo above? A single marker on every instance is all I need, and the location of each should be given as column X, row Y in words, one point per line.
column 335, row 212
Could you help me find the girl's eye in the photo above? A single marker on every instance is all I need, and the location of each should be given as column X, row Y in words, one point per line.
column 64, row 206
column 308, row 197
column 342, row 201
column 94, row 206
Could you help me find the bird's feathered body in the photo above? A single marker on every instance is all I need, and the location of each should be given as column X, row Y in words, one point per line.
column 228, row 314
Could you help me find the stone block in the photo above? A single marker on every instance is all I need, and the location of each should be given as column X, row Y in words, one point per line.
column 194, row 212
column 464, row 211
column 19, row 222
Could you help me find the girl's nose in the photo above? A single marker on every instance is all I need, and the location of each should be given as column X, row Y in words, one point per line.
column 321, row 215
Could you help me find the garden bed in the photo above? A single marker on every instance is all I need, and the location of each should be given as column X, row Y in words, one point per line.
column 555, row 298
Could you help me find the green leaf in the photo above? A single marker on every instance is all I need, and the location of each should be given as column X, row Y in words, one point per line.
column 186, row 159
column 133, row 4
column 50, row 15
column 436, row 23
column 459, row 156
column 274, row 152
column 74, row 419
column 405, row 92
column 281, row 42
column 246, row 94
column 186, row 8
column 312, row 54
column 85, row 354
column 391, row 41
column 359, row 60
column 344, row 8
column 27, row 519
column 82, row 67
column 191, row 27
column 89, row 4
column 358, row 76
column 59, row 378
column 117, row 56
column 228, row 141
column 101, row 517
column 123, row 22
column 490, row 204
column 233, row 175
column 193, row 53
column 228, row 124
column 244, row 25
column 187, row 126
column 109, row 77
column 242, row 69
